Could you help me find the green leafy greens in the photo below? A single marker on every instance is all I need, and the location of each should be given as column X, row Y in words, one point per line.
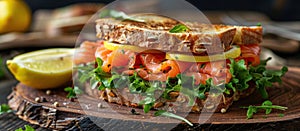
column 266, row 105
column 241, row 76
column 263, row 77
column 180, row 28
column 27, row 128
column 4, row 108
column 118, row 15
column 137, row 85
column 258, row 24
column 168, row 114
column 281, row 115
column 72, row 92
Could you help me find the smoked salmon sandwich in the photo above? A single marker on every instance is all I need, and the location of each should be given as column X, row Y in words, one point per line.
column 154, row 62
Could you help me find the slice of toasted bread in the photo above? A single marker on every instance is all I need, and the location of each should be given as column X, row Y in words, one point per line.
column 154, row 33
column 178, row 101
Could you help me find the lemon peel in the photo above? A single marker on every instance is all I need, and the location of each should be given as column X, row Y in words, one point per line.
column 43, row 69
column 232, row 53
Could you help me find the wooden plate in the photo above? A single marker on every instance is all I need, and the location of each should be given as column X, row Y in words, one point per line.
column 35, row 39
column 114, row 116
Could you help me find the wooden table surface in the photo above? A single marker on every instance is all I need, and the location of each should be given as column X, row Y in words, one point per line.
column 9, row 121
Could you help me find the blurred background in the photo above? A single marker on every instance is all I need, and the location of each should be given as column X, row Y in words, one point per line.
column 280, row 10
column 27, row 25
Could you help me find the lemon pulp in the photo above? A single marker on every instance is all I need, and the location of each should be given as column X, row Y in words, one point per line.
column 43, row 69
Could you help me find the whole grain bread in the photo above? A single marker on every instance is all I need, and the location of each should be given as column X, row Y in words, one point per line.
column 154, row 33
column 178, row 102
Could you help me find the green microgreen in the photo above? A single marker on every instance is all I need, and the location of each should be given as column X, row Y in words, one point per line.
column 4, row 108
column 180, row 28
column 266, row 105
column 171, row 115
column 27, row 128
column 72, row 92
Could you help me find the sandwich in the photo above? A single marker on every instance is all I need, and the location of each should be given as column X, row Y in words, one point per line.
column 155, row 62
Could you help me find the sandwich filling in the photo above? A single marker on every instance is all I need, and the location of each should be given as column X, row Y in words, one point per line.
column 161, row 77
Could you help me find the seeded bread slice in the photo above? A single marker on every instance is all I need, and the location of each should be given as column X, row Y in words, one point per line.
column 154, row 33
column 178, row 101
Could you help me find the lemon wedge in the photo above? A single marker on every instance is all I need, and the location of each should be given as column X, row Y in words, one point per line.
column 43, row 69
column 232, row 53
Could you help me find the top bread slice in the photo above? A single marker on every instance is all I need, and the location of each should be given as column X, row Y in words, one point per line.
column 153, row 33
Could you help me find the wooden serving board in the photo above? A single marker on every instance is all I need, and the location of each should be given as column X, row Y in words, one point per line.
column 83, row 113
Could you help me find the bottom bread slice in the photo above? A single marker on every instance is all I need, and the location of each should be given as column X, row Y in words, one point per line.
column 178, row 102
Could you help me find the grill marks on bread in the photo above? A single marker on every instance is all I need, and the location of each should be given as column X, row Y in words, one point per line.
column 154, row 33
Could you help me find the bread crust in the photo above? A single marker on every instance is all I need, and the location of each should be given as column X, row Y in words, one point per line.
column 154, row 34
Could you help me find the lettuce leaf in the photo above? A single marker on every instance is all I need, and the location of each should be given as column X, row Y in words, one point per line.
column 263, row 77
column 240, row 74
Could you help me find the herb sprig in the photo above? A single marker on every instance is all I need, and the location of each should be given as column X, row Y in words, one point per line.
column 27, row 128
column 258, row 24
column 180, row 28
column 72, row 92
column 266, row 105
column 4, row 108
column 171, row 115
